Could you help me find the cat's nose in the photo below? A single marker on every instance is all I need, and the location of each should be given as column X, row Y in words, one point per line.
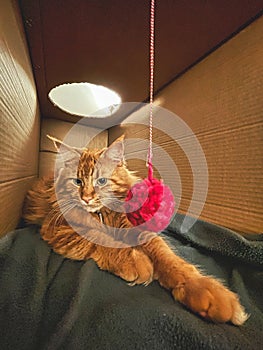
column 87, row 198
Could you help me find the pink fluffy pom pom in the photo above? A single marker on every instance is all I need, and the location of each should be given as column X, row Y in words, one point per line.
column 150, row 204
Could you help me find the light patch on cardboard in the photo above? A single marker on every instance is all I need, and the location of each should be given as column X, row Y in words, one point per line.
column 85, row 99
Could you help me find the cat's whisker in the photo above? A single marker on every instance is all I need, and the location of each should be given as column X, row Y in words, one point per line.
column 114, row 198
column 54, row 218
column 56, row 215
column 68, row 206
column 67, row 210
column 61, row 217
column 59, row 220
column 67, row 202
column 117, row 195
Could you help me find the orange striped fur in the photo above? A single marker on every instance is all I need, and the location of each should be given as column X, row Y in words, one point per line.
column 147, row 259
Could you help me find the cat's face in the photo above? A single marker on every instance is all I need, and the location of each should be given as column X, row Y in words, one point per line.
column 94, row 179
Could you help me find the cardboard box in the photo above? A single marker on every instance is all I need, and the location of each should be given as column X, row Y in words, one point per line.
column 220, row 99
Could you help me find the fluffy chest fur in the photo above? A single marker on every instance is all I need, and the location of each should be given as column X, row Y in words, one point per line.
column 81, row 217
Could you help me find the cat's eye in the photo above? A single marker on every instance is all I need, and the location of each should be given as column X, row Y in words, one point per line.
column 102, row 181
column 77, row 182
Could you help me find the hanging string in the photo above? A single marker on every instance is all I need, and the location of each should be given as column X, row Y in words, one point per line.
column 153, row 213
column 150, row 152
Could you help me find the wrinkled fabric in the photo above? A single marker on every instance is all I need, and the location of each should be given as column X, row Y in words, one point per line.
column 50, row 302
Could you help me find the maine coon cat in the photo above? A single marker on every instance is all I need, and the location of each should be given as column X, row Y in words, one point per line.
column 87, row 192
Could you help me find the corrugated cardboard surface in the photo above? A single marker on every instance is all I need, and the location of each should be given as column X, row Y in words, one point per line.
column 19, row 118
column 221, row 100
column 12, row 196
column 60, row 129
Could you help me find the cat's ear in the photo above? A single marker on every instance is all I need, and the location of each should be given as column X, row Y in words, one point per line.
column 115, row 152
column 63, row 147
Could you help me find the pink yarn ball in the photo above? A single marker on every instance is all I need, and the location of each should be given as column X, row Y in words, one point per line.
column 150, row 204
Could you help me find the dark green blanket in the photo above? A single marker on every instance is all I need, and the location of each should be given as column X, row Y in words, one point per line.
column 48, row 302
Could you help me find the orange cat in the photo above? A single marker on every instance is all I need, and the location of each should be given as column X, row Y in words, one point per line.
column 88, row 192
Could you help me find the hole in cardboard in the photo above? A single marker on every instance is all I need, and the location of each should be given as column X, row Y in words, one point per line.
column 85, row 99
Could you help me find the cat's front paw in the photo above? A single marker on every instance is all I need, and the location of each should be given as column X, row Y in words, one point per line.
column 211, row 300
column 137, row 268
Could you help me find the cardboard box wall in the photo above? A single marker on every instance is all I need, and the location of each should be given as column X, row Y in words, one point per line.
column 25, row 152
column 221, row 100
column 19, row 118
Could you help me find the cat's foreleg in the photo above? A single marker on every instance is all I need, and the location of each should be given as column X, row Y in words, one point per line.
column 202, row 294
column 131, row 264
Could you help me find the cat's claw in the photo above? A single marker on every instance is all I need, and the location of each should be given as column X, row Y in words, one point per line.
column 134, row 283
column 145, row 284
